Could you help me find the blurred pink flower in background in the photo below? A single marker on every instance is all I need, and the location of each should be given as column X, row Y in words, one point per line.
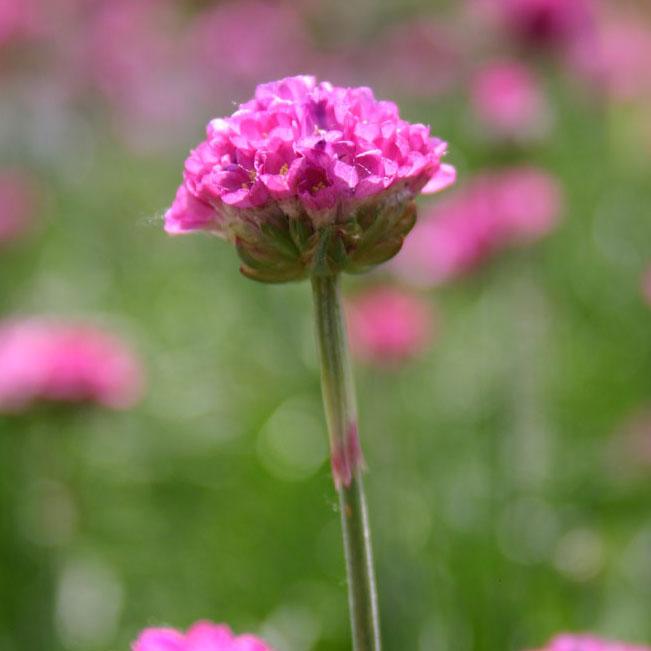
column 18, row 204
column 132, row 54
column 418, row 58
column 631, row 442
column 18, row 20
column 646, row 285
column 238, row 43
column 618, row 58
column 494, row 210
column 541, row 23
column 568, row 642
column 48, row 360
column 388, row 325
column 202, row 636
column 508, row 101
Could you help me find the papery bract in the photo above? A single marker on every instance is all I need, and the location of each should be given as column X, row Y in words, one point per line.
column 48, row 360
column 308, row 175
column 495, row 209
column 388, row 325
column 202, row 636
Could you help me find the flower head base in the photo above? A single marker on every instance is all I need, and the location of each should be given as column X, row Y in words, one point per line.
column 202, row 636
column 307, row 178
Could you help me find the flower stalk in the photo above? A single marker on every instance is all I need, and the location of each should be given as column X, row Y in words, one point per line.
column 347, row 461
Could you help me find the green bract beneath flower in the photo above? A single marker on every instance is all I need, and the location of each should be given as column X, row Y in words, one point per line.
column 309, row 178
column 291, row 248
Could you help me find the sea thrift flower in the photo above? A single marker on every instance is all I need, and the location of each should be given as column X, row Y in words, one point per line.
column 388, row 325
column 568, row 642
column 495, row 210
column 309, row 177
column 43, row 360
column 202, row 636
column 17, row 204
column 508, row 101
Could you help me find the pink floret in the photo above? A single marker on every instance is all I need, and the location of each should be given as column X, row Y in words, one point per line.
column 495, row 210
column 43, row 360
column 202, row 636
column 303, row 147
column 388, row 325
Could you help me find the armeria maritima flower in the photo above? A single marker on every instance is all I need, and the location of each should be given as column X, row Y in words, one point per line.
column 43, row 360
column 202, row 636
column 308, row 177
column 568, row 642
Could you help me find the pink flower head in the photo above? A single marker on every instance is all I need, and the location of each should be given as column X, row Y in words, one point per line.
column 18, row 200
column 388, row 325
column 202, row 636
column 496, row 209
column 508, row 100
column 52, row 361
column 302, row 158
column 569, row 642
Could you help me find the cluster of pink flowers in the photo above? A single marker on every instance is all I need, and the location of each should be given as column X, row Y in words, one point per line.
column 388, row 325
column 568, row 642
column 302, row 147
column 496, row 209
column 17, row 204
column 508, row 100
column 52, row 361
column 202, row 636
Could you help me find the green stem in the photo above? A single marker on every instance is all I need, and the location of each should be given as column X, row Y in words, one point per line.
column 347, row 462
